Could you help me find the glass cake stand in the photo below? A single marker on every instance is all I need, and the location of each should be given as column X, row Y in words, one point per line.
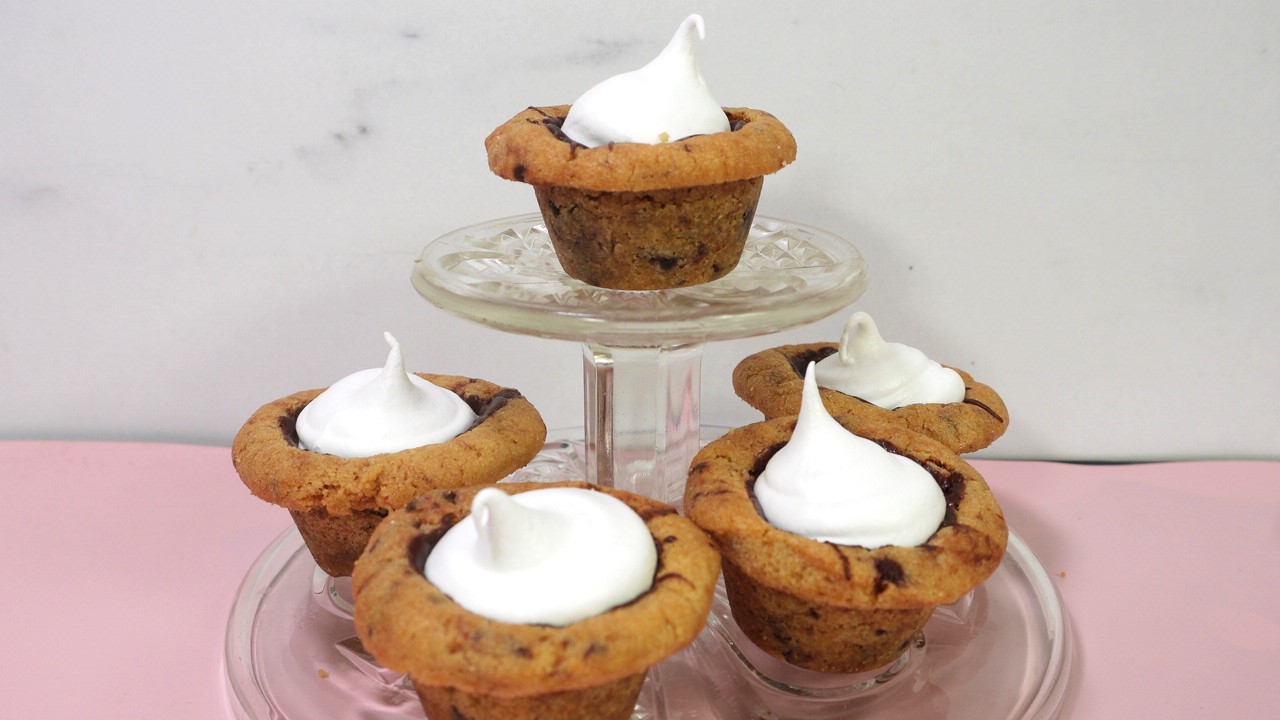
column 1003, row 652
column 642, row 350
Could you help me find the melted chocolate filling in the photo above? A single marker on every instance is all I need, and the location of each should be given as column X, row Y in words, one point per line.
column 800, row 361
column 289, row 426
column 484, row 408
column 555, row 126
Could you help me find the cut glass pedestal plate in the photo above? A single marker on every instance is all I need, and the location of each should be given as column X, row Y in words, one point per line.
column 1003, row 651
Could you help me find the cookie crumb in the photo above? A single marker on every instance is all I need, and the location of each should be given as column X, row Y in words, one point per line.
column 323, row 673
column 1062, row 573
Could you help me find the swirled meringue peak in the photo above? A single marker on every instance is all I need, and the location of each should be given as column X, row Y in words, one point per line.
column 886, row 374
column 663, row 101
column 552, row 556
column 832, row 486
column 381, row 410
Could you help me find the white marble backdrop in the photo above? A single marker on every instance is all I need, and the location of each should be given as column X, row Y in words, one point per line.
column 205, row 206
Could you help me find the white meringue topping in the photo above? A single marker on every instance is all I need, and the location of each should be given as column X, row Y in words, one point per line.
column 832, row 486
column 886, row 374
column 381, row 410
column 551, row 556
column 663, row 101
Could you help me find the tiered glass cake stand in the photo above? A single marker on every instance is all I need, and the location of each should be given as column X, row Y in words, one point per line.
column 1003, row 651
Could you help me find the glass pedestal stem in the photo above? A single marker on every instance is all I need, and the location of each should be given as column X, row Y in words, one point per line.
column 642, row 416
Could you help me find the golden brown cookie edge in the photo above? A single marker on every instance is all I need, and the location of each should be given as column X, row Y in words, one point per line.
column 276, row 470
column 768, row 382
column 395, row 604
column 953, row 561
column 525, row 150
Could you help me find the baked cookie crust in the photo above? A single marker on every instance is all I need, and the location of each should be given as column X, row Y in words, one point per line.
column 411, row 626
column 530, row 148
column 772, row 382
column 839, row 608
column 962, row 553
column 265, row 452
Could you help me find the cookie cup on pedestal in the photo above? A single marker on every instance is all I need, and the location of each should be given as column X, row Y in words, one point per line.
column 839, row 608
column 772, row 381
column 466, row 665
column 336, row 502
column 633, row 216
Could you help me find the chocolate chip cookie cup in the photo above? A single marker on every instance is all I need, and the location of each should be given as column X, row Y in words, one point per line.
column 839, row 608
column 337, row 502
column 466, row 665
column 772, row 381
column 633, row 216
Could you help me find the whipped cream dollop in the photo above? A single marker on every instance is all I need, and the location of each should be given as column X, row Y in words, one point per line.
column 832, row 486
column 886, row 374
column 552, row 556
column 381, row 410
column 663, row 101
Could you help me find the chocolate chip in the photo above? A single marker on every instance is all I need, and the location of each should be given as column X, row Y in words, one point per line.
column 844, row 560
column 289, row 426
column 888, row 572
column 797, row 656
column 666, row 263
column 422, row 545
column 554, row 126
column 978, row 403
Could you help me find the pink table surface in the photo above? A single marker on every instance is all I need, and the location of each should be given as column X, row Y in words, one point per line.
column 125, row 557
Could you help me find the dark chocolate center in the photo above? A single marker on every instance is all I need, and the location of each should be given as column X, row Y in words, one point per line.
column 800, row 360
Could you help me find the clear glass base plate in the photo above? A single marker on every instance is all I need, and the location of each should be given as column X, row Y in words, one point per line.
column 1002, row 652
column 504, row 273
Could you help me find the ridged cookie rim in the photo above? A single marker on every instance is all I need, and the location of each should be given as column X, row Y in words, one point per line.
column 528, row 148
column 955, row 559
column 399, row 613
column 276, row 470
column 767, row 381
